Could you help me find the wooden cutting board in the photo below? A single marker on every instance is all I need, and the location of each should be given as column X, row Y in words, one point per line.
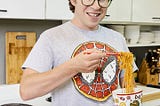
column 18, row 46
column 149, row 93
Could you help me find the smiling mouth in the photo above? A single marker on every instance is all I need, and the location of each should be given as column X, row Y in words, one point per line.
column 93, row 14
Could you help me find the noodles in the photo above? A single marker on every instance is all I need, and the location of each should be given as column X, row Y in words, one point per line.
column 125, row 62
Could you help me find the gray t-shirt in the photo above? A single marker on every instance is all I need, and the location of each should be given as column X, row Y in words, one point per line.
column 56, row 45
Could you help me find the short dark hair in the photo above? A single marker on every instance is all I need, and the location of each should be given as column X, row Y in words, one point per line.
column 71, row 7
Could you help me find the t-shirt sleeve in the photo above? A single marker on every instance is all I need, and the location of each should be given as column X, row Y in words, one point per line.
column 41, row 57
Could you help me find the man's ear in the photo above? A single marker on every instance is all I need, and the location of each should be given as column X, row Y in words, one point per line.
column 73, row 2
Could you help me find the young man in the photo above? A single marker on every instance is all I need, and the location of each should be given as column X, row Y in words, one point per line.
column 71, row 60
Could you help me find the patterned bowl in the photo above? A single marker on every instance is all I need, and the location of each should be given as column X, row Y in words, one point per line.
column 127, row 99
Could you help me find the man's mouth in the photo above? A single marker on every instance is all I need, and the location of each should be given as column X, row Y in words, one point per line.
column 93, row 14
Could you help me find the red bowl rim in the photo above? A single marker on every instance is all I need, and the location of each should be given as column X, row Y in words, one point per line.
column 129, row 93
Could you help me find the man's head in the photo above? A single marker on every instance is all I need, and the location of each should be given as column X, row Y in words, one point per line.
column 88, row 13
column 72, row 7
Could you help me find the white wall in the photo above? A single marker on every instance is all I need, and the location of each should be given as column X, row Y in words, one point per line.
column 19, row 25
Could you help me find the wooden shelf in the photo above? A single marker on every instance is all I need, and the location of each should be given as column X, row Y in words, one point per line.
column 143, row 45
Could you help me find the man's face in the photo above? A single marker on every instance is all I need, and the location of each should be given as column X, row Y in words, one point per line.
column 88, row 17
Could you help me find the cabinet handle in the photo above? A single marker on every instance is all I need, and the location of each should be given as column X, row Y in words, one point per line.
column 156, row 18
column 107, row 15
column 3, row 10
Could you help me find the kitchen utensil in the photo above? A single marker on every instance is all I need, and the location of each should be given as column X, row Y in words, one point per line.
column 18, row 46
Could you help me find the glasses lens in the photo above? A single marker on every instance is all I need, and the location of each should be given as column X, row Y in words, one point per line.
column 87, row 2
column 102, row 3
column 109, row 2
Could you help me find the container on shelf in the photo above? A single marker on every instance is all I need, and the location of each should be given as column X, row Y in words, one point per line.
column 156, row 36
column 132, row 33
column 146, row 38
column 118, row 28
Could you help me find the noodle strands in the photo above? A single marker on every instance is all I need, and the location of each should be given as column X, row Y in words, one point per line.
column 125, row 63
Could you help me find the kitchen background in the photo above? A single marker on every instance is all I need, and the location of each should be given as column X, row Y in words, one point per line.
column 137, row 20
column 139, row 23
column 37, row 26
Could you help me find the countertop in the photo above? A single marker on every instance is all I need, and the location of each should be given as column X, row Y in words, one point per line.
column 151, row 96
column 10, row 94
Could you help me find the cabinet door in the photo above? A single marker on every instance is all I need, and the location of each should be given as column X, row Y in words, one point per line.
column 119, row 10
column 22, row 9
column 58, row 9
column 146, row 11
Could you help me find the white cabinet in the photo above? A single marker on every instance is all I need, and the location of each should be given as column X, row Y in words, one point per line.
column 119, row 10
column 58, row 10
column 22, row 9
column 146, row 11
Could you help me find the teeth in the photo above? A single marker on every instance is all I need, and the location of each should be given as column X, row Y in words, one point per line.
column 91, row 14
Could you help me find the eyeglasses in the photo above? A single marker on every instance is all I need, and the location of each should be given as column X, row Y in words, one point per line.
column 101, row 3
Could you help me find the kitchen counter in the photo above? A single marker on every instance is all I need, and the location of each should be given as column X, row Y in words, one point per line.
column 10, row 94
column 155, row 102
column 151, row 96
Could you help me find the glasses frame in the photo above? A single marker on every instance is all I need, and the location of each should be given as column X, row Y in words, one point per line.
column 109, row 2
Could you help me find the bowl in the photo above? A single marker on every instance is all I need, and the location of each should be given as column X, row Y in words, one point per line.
column 146, row 37
column 157, row 36
column 132, row 33
column 127, row 99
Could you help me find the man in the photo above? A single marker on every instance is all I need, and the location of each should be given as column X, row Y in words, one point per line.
column 71, row 60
